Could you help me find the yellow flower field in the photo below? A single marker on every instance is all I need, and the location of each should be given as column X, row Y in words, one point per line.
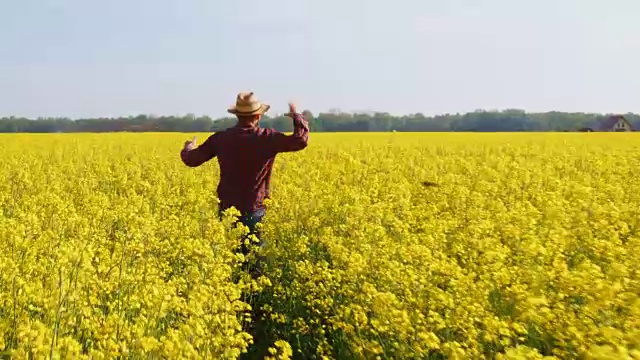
column 528, row 249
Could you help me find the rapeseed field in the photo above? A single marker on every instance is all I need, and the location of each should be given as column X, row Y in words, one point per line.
column 526, row 248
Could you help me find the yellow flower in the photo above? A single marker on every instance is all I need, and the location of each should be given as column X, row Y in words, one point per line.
column 527, row 249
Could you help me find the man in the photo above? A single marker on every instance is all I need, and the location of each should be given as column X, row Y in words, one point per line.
column 246, row 153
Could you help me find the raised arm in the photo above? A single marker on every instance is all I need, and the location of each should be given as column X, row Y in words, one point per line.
column 193, row 156
column 297, row 141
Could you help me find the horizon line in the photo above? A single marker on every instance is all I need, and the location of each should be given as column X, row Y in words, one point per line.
column 332, row 111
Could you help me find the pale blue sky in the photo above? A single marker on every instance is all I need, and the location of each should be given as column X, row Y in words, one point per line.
column 106, row 58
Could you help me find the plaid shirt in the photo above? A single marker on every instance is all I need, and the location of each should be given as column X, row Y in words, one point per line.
column 246, row 156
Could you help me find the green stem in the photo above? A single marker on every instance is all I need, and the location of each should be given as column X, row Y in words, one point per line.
column 57, row 322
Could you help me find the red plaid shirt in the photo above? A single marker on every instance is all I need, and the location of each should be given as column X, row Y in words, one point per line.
column 246, row 156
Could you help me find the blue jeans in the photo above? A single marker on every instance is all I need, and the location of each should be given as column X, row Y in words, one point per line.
column 250, row 220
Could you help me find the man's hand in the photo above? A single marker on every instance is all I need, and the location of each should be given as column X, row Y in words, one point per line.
column 292, row 110
column 190, row 144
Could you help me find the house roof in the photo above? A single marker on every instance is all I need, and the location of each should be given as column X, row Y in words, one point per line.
column 609, row 122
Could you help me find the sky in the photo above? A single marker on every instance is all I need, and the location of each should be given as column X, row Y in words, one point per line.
column 88, row 58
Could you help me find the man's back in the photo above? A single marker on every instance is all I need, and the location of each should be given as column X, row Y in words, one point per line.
column 246, row 155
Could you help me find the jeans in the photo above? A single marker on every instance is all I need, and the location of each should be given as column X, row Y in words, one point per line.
column 250, row 220
column 255, row 270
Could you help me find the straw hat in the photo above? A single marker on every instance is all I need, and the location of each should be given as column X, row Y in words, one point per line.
column 248, row 104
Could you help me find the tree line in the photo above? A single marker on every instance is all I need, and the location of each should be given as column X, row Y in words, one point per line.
column 334, row 121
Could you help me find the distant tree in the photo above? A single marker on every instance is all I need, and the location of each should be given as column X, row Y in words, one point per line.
column 333, row 121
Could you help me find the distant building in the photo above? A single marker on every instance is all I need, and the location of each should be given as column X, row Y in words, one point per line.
column 614, row 123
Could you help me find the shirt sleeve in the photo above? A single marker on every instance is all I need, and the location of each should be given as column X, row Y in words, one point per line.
column 201, row 154
column 280, row 142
